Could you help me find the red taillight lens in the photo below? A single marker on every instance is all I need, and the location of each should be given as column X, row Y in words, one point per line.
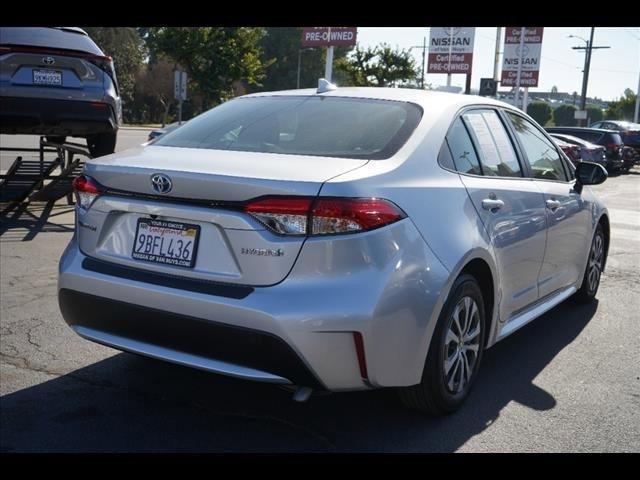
column 343, row 215
column 86, row 190
column 323, row 216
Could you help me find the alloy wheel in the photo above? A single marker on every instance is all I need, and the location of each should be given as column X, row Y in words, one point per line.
column 462, row 345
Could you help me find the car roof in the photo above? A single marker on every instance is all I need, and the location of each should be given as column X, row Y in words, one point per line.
column 434, row 100
column 578, row 129
column 578, row 140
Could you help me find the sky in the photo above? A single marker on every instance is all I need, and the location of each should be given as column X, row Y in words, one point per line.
column 612, row 70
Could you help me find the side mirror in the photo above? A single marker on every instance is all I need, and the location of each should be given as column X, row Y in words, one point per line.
column 589, row 173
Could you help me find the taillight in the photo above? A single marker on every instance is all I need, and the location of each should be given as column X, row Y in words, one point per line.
column 86, row 190
column 324, row 215
column 103, row 63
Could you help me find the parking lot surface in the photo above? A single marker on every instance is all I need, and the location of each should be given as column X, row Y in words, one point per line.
column 570, row 381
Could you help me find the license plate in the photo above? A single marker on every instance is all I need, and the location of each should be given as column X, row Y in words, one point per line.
column 167, row 243
column 47, row 77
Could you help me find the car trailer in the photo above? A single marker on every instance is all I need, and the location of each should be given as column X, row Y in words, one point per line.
column 33, row 180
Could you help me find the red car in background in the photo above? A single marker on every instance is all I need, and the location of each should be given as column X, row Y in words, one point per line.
column 571, row 151
column 586, row 151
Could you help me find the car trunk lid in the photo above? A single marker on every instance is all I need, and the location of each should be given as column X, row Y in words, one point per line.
column 208, row 188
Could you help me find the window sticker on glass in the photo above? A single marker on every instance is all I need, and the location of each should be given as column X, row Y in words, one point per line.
column 491, row 157
column 505, row 149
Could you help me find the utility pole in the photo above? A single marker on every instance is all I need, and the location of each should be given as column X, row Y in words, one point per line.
column 450, row 53
column 496, row 59
column 517, row 95
column 424, row 53
column 635, row 115
column 587, row 63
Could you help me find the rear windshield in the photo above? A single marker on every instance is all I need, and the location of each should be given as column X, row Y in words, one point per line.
column 613, row 138
column 48, row 38
column 297, row 125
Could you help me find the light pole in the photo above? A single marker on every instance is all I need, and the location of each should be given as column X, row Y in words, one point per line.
column 587, row 63
column 424, row 52
column 299, row 58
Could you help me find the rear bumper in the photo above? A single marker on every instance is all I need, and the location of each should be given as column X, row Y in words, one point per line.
column 385, row 285
column 40, row 116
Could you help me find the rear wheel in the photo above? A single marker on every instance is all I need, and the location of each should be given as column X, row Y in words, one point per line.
column 591, row 279
column 101, row 144
column 454, row 354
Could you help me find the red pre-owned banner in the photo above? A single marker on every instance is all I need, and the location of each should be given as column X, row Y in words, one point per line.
column 460, row 63
column 319, row 36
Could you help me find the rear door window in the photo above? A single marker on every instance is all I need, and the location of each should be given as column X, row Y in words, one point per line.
column 540, row 152
column 465, row 159
column 497, row 155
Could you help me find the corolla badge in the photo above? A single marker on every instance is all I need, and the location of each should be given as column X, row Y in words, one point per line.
column 161, row 183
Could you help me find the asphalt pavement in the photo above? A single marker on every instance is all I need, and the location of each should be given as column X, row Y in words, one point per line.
column 568, row 382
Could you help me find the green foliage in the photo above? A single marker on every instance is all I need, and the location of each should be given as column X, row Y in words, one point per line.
column 594, row 114
column 128, row 52
column 280, row 53
column 624, row 108
column 215, row 58
column 564, row 116
column 540, row 111
column 379, row 66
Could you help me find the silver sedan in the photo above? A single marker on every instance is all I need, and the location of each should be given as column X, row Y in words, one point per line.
column 334, row 239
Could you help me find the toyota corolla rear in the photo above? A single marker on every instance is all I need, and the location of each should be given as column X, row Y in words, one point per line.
column 215, row 247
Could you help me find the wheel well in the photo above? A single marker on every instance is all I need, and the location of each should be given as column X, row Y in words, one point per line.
column 604, row 221
column 480, row 270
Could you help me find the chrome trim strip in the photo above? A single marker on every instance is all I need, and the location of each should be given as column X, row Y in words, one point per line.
column 521, row 320
column 179, row 358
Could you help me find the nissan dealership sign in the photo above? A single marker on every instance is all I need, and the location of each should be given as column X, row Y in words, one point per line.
column 451, row 49
column 328, row 36
column 524, row 54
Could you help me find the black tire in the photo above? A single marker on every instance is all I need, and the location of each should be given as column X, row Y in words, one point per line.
column 56, row 138
column 588, row 289
column 432, row 395
column 101, row 144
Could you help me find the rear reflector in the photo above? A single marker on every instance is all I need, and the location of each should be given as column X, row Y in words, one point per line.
column 86, row 190
column 324, row 215
column 362, row 361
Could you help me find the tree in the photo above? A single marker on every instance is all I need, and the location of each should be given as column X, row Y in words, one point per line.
column 280, row 52
column 216, row 58
column 154, row 87
column 540, row 111
column 126, row 48
column 564, row 116
column 378, row 66
column 624, row 108
column 554, row 89
column 594, row 114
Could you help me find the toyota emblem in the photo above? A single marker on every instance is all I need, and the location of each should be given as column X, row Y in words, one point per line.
column 161, row 183
column 48, row 60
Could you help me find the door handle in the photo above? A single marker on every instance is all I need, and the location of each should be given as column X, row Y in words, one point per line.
column 492, row 204
column 553, row 205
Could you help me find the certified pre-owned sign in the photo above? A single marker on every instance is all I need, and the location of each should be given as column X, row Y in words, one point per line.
column 451, row 49
column 328, row 36
column 526, row 53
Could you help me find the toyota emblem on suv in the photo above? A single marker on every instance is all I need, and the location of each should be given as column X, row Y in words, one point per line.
column 161, row 183
column 48, row 60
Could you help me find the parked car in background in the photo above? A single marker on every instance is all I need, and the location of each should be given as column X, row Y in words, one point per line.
column 587, row 151
column 629, row 131
column 166, row 129
column 610, row 140
column 314, row 246
column 571, row 151
column 55, row 81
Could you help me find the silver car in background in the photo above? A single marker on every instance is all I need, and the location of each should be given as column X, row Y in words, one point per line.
column 334, row 239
